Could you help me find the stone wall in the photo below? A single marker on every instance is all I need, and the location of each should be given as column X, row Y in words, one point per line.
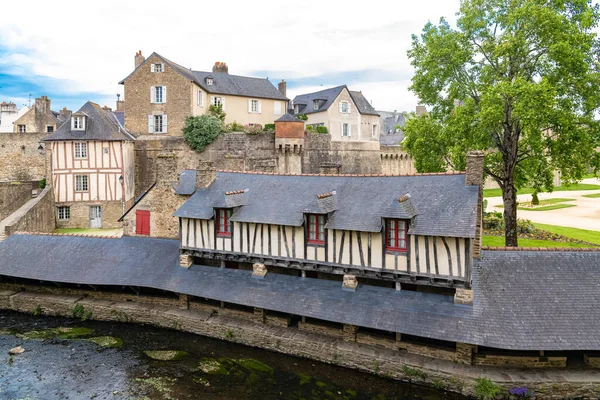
column 19, row 157
column 13, row 195
column 396, row 161
column 37, row 217
column 80, row 214
column 520, row 361
column 372, row 359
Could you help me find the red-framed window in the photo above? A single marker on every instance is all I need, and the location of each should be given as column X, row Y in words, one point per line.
column 316, row 229
column 223, row 222
column 396, row 234
column 142, row 222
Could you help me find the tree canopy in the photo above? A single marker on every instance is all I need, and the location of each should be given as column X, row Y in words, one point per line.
column 518, row 79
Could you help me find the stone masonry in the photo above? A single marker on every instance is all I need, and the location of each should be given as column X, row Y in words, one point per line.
column 20, row 159
column 37, row 216
column 80, row 214
column 13, row 195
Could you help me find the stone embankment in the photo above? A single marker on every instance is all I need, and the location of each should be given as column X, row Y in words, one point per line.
column 271, row 334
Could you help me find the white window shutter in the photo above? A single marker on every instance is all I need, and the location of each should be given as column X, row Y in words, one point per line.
column 259, row 106
column 152, row 94
column 164, row 123
column 162, row 67
column 83, row 123
column 164, row 93
column 72, row 123
column 223, row 102
column 249, row 106
column 151, row 67
column 342, row 128
column 349, row 107
column 341, row 106
column 150, row 123
column 349, row 130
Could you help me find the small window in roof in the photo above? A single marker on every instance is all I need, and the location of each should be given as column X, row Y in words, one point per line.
column 315, row 104
column 78, row 123
column 208, row 80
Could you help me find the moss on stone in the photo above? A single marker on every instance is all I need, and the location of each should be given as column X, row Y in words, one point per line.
column 68, row 333
column 107, row 341
column 160, row 384
column 166, row 355
column 254, row 365
column 37, row 335
column 201, row 381
column 212, row 366
column 304, row 379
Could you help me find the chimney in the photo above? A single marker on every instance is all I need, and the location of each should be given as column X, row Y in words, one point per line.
column 65, row 114
column 106, row 108
column 474, row 176
column 139, row 58
column 42, row 105
column 421, row 110
column 205, row 174
column 221, row 67
column 282, row 86
column 120, row 103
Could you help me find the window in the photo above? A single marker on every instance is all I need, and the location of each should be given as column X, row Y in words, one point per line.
column 344, row 107
column 80, row 150
column 277, row 109
column 296, row 109
column 159, row 95
column 395, row 234
column 78, row 123
column 142, row 222
column 158, row 68
column 64, row 213
column 316, row 229
column 21, row 129
column 254, row 106
column 81, row 183
column 223, row 223
column 200, row 99
column 346, row 130
column 374, row 130
column 209, row 81
column 50, row 128
column 315, row 104
column 217, row 101
column 158, row 123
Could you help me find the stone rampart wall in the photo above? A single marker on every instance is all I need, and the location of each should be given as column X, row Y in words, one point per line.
column 20, row 159
column 12, row 196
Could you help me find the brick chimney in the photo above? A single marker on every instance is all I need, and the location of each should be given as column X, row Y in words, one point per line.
column 107, row 108
column 139, row 58
column 42, row 105
column 65, row 114
column 282, row 86
column 421, row 110
column 205, row 174
column 474, row 176
column 220, row 67
column 120, row 103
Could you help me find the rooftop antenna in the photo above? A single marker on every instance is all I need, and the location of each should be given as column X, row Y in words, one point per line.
column 118, row 96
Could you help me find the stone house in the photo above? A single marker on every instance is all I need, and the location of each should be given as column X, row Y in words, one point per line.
column 160, row 95
column 9, row 113
column 92, row 164
column 347, row 115
column 40, row 118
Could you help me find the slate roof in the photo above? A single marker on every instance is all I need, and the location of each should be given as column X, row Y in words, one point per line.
column 223, row 82
column 120, row 115
column 446, row 207
column 288, row 118
column 524, row 300
column 388, row 122
column 327, row 97
column 100, row 124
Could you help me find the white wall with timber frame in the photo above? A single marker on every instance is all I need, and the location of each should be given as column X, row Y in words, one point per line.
column 104, row 164
column 425, row 256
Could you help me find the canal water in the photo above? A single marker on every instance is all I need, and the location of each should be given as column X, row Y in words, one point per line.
column 68, row 359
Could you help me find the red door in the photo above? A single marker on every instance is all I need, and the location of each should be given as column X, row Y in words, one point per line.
column 142, row 222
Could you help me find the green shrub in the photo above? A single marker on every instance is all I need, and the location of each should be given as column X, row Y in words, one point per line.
column 525, row 226
column 269, row 127
column 493, row 221
column 43, row 183
column 310, row 128
column 486, row 389
column 233, row 127
column 534, row 199
column 217, row 111
column 201, row 131
column 302, row 117
column 321, row 129
column 253, row 129
column 413, row 372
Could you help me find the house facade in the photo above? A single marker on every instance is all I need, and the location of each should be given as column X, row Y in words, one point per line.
column 160, row 95
column 347, row 115
column 421, row 230
column 92, row 164
column 40, row 118
column 9, row 113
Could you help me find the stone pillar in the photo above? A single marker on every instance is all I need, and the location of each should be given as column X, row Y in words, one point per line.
column 139, row 58
column 259, row 270
column 463, row 296
column 185, row 260
column 350, row 282
column 474, row 176
column 349, row 333
column 259, row 315
column 464, row 353
column 184, row 302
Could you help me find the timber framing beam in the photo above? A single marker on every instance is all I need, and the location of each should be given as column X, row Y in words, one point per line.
column 331, row 268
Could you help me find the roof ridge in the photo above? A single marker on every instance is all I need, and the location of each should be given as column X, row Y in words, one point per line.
column 345, row 175
column 67, row 234
column 323, row 90
column 548, row 249
column 227, row 73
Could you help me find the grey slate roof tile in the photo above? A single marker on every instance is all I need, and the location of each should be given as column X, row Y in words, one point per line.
column 446, row 207
column 326, row 97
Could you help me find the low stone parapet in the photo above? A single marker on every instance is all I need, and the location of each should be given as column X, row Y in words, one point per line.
column 321, row 329
column 592, row 360
column 520, row 361
column 367, row 338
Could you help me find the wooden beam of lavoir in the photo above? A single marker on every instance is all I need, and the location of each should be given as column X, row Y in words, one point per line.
column 339, row 269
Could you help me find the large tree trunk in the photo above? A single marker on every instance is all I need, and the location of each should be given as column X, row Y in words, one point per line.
column 509, row 197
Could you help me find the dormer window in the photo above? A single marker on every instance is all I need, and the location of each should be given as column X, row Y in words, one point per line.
column 315, row 104
column 208, row 80
column 296, row 109
column 316, row 229
column 223, row 222
column 396, row 233
column 78, row 123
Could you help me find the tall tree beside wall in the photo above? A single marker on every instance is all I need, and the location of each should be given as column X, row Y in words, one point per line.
column 518, row 79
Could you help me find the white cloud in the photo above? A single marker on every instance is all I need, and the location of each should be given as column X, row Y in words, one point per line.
column 90, row 45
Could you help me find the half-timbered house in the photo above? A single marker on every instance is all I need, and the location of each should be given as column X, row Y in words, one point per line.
column 92, row 163
column 396, row 230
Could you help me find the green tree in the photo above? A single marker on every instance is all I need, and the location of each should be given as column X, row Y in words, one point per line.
column 518, row 79
column 217, row 111
column 201, row 131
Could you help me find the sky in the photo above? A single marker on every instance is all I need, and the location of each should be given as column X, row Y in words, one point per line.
column 75, row 51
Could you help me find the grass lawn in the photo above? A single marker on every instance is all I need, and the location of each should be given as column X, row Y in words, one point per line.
column 591, row 176
column 580, row 234
column 498, row 241
column 547, row 205
column 88, row 231
column 528, row 190
column 592, row 196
